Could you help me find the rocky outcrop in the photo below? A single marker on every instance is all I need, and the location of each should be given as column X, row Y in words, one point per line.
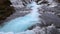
column 5, row 9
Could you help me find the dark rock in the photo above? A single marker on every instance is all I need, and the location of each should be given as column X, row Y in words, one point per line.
column 5, row 9
column 58, row 1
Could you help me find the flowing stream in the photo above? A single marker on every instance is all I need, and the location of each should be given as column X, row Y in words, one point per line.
column 22, row 23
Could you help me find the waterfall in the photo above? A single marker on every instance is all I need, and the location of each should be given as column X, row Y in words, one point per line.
column 22, row 23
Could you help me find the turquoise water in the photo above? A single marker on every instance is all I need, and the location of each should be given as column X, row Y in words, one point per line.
column 22, row 23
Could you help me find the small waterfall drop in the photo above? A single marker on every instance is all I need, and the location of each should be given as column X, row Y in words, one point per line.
column 22, row 23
